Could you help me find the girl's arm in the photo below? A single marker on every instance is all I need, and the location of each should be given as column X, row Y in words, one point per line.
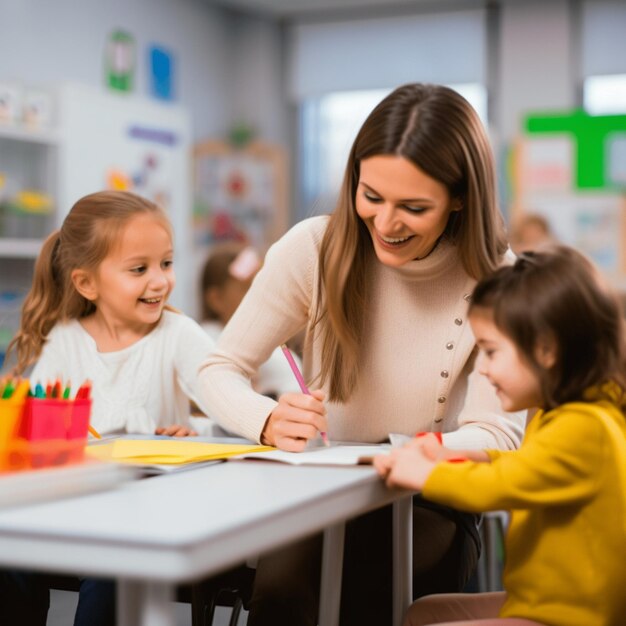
column 562, row 462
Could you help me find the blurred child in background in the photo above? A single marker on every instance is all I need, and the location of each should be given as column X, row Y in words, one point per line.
column 530, row 232
column 226, row 278
column 550, row 336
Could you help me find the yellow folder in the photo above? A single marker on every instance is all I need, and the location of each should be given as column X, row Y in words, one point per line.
column 167, row 452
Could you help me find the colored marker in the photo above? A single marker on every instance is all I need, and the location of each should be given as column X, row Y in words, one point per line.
column 8, row 389
column 21, row 390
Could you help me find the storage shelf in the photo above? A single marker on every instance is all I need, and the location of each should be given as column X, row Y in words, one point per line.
column 20, row 248
column 20, row 133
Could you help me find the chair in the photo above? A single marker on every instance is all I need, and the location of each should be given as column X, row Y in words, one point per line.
column 491, row 562
column 232, row 589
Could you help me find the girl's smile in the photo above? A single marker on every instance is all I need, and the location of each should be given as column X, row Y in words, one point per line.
column 516, row 384
column 132, row 284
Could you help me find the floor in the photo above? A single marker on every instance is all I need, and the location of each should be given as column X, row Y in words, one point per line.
column 63, row 605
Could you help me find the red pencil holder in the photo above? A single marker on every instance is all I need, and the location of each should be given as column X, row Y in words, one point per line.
column 79, row 424
column 45, row 419
column 52, row 432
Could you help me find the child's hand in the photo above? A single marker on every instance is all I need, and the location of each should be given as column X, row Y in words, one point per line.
column 297, row 418
column 176, row 430
column 431, row 447
column 406, row 467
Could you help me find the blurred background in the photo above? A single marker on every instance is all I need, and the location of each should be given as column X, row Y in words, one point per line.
column 237, row 115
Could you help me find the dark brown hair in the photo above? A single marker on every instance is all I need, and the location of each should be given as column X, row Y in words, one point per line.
column 436, row 129
column 90, row 230
column 216, row 272
column 556, row 295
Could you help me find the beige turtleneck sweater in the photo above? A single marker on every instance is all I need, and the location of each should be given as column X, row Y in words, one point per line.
column 417, row 369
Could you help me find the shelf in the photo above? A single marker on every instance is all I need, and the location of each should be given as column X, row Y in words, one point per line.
column 19, row 133
column 20, row 248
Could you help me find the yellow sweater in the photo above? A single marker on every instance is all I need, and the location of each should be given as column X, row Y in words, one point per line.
column 566, row 489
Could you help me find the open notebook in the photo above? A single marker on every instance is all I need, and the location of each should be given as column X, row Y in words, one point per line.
column 339, row 454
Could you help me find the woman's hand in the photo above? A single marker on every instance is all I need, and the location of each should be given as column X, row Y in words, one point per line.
column 297, row 418
column 406, row 467
column 176, row 430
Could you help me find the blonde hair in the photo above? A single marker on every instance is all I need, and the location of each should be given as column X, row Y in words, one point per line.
column 87, row 235
column 436, row 129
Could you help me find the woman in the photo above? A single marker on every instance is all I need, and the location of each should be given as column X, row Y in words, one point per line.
column 381, row 287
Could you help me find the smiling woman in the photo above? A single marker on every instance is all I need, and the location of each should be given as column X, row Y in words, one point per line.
column 405, row 210
column 381, row 289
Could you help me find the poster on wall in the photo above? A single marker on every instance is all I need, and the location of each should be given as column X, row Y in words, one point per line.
column 125, row 142
column 240, row 193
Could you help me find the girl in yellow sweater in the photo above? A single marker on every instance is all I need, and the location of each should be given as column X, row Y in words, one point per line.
column 550, row 336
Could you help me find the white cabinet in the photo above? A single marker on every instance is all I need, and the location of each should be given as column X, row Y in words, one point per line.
column 29, row 162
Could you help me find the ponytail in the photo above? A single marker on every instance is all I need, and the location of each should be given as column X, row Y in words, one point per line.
column 41, row 308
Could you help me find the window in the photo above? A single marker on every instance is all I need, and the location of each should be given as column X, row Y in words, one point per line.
column 605, row 95
column 328, row 126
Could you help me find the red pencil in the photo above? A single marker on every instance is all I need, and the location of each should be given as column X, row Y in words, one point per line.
column 84, row 391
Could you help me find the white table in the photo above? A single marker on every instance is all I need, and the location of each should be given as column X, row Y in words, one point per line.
column 155, row 533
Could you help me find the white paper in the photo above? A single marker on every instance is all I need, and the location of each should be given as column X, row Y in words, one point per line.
column 335, row 455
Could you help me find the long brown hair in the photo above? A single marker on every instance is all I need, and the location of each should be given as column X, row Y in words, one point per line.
column 556, row 296
column 435, row 128
column 87, row 235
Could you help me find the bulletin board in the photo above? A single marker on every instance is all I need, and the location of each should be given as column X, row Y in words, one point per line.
column 240, row 194
column 575, row 179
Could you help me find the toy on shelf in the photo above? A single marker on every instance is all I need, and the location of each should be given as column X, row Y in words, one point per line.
column 26, row 214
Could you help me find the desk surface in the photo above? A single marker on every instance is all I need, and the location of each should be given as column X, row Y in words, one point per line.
column 182, row 526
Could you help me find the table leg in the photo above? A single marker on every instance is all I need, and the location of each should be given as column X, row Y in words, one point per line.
column 402, row 557
column 145, row 604
column 332, row 565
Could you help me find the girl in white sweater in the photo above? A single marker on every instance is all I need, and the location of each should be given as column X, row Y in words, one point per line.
column 97, row 309
column 381, row 289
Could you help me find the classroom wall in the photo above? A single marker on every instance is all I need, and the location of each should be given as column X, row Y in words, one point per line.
column 257, row 77
column 43, row 43
column 537, row 57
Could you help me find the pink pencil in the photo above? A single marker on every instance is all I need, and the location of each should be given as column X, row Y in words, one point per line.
column 303, row 387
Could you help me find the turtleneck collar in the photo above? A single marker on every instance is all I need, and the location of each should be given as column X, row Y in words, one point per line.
column 442, row 258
